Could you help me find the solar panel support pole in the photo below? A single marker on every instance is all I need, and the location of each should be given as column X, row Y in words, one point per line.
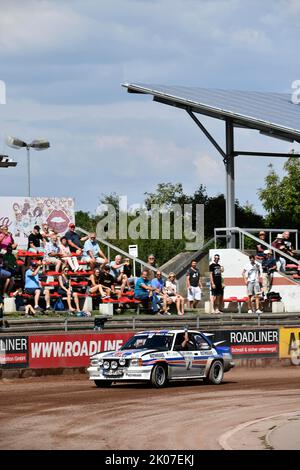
column 230, row 193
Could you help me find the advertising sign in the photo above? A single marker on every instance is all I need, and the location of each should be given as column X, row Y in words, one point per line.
column 133, row 250
column 290, row 344
column 13, row 351
column 250, row 343
column 71, row 350
column 22, row 213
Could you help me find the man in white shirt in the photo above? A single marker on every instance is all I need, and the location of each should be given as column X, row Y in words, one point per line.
column 92, row 252
column 251, row 274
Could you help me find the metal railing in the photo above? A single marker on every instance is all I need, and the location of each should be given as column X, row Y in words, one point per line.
column 118, row 250
column 246, row 233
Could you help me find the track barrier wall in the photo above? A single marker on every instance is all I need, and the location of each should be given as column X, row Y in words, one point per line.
column 255, row 347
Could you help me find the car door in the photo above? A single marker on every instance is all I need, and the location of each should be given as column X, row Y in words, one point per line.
column 203, row 352
column 183, row 364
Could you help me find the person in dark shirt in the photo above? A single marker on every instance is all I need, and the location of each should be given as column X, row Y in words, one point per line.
column 35, row 240
column 183, row 342
column 107, row 281
column 216, row 284
column 193, row 285
column 259, row 247
column 268, row 268
column 74, row 240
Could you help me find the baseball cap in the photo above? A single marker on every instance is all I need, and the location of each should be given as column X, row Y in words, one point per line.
column 37, row 227
column 72, row 225
column 106, row 266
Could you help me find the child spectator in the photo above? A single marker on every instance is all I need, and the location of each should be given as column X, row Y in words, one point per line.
column 66, row 255
column 33, row 286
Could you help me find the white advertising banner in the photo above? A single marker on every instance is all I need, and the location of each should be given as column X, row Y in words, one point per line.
column 22, row 213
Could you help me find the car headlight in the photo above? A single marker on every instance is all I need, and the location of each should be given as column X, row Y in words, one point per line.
column 137, row 362
column 106, row 365
column 114, row 365
column 94, row 362
column 122, row 361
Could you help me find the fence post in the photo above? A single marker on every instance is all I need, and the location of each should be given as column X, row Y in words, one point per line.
column 66, row 324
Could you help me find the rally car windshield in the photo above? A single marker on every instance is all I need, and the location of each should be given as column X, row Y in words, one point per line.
column 152, row 341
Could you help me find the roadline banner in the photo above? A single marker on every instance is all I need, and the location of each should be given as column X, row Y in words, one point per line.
column 71, row 350
column 250, row 343
column 13, row 352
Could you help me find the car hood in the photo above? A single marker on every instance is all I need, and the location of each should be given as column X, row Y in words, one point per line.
column 126, row 353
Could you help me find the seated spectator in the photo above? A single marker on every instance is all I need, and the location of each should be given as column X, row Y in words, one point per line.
column 46, row 233
column 52, row 252
column 35, row 240
column 92, row 253
column 116, row 270
column 107, row 282
column 74, row 240
column 259, row 247
column 33, row 286
column 94, row 286
column 288, row 244
column 280, row 260
column 66, row 255
column 65, row 290
column 127, row 270
column 143, row 290
column 6, row 239
column 4, row 275
column 10, row 261
column 159, row 285
column 171, row 291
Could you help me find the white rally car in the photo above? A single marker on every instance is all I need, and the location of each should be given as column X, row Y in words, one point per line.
column 157, row 357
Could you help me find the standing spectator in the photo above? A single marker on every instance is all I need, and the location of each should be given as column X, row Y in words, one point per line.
column 35, row 240
column 152, row 261
column 107, row 281
column 74, row 240
column 116, row 270
column 280, row 260
column 92, row 253
column 268, row 268
column 143, row 290
column 171, row 290
column 193, row 285
column 216, row 284
column 52, row 252
column 251, row 274
column 66, row 255
column 259, row 247
column 65, row 290
column 33, row 286
column 4, row 275
column 6, row 239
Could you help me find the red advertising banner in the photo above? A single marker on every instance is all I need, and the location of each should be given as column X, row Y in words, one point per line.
column 71, row 350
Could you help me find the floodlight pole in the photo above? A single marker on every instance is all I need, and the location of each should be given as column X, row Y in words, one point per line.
column 230, row 193
column 28, row 168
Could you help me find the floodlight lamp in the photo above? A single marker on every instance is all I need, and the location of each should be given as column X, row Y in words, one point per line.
column 15, row 143
column 40, row 144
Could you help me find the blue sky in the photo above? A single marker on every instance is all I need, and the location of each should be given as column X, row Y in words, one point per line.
column 63, row 63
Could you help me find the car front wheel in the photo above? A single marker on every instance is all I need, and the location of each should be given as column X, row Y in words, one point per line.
column 216, row 373
column 103, row 383
column 159, row 376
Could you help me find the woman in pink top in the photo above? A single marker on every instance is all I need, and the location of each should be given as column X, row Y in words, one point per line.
column 6, row 239
column 66, row 254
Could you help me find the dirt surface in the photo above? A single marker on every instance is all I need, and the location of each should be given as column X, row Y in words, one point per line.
column 69, row 412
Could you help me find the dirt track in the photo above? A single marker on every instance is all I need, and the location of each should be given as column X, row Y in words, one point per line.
column 69, row 412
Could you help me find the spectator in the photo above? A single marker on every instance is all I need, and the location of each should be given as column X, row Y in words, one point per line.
column 6, row 276
column 193, row 285
column 268, row 268
column 251, row 275
column 10, row 261
column 6, row 239
column 46, row 233
column 259, row 247
column 116, row 270
column 65, row 289
column 216, row 284
column 287, row 244
column 33, row 286
column 152, row 261
column 107, row 281
column 34, row 240
column 280, row 260
column 66, row 255
column 159, row 285
column 74, row 240
column 53, row 252
column 171, row 290
column 143, row 290
column 95, row 286
column 92, row 253
column 127, row 270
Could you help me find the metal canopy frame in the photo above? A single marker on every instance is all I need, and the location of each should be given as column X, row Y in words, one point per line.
column 232, row 120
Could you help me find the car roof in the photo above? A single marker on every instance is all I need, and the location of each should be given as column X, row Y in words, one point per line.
column 147, row 332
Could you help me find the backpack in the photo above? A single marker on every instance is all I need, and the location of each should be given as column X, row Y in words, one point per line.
column 59, row 305
column 274, row 296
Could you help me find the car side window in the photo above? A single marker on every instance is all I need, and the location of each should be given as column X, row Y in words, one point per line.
column 201, row 342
